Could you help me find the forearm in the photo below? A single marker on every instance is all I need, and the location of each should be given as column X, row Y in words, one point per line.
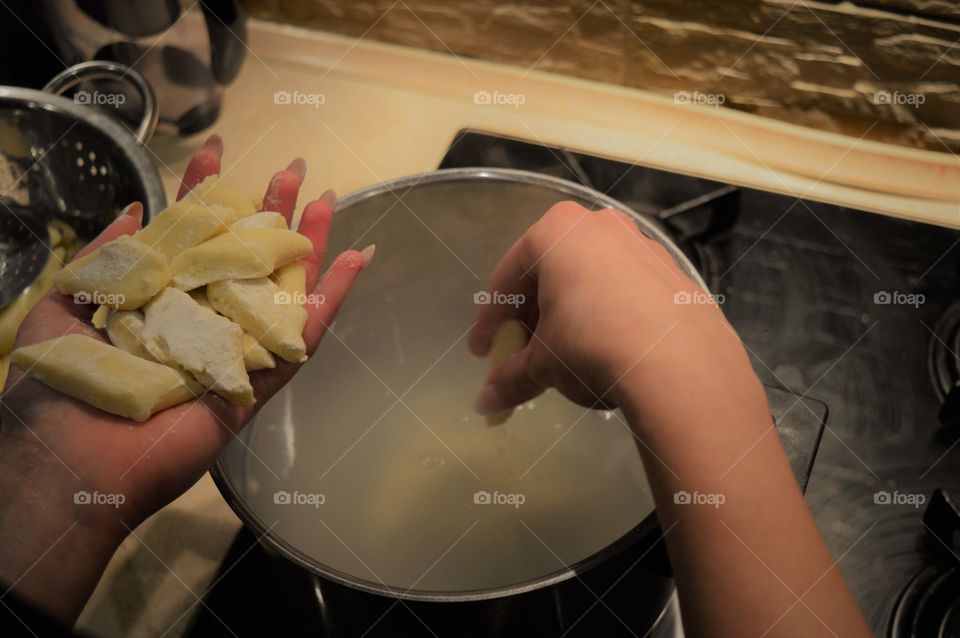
column 50, row 556
column 748, row 558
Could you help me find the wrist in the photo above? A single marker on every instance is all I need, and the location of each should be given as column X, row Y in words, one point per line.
column 52, row 550
column 686, row 379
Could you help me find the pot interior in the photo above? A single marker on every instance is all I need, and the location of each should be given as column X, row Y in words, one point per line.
column 371, row 466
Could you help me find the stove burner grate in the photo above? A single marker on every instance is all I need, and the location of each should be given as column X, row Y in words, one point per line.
column 944, row 343
column 929, row 606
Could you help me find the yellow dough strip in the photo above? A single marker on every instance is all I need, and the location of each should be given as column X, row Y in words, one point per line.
column 510, row 339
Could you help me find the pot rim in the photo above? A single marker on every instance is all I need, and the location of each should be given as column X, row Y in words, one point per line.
column 636, row 534
column 123, row 139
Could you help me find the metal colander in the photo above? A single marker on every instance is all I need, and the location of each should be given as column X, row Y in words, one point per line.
column 62, row 159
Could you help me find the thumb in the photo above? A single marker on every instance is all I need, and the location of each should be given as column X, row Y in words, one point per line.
column 509, row 384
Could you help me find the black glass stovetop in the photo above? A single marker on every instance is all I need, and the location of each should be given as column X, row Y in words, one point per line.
column 858, row 310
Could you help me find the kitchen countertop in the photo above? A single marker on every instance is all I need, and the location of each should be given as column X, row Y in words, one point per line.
column 370, row 112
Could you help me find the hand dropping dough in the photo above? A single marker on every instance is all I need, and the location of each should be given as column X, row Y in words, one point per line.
column 241, row 254
column 105, row 377
column 510, row 339
column 179, row 331
column 268, row 313
column 213, row 191
column 255, row 356
column 260, row 220
column 184, row 225
column 126, row 270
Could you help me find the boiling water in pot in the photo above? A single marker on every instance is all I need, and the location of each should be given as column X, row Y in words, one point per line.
column 431, row 497
column 371, row 462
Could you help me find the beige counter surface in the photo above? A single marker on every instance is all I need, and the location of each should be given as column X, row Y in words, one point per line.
column 361, row 112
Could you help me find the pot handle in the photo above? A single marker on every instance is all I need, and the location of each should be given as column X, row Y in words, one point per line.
column 103, row 70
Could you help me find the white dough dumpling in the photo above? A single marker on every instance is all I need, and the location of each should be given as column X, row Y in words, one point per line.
column 239, row 254
column 123, row 273
column 268, row 313
column 125, row 329
column 105, row 377
column 184, row 225
column 261, row 220
column 180, row 332
column 255, row 356
column 214, row 191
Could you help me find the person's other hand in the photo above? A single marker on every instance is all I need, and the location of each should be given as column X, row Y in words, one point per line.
column 602, row 302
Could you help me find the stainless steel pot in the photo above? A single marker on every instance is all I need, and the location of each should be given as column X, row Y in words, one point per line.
column 439, row 236
column 60, row 157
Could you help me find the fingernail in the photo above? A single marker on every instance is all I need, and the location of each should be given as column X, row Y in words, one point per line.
column 299, row 168
column 330, row 197
column 134, row 210
column 488, row 401
column 367, row 254
column 214, row 143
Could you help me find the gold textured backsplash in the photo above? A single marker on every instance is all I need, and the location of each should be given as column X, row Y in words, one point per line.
column 888, row 70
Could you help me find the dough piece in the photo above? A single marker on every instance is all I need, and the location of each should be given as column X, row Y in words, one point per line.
column 510, row 339
column 184, row 225
column 241, row 254
column 125, row 271
column 12, row 315
column 214, row 191
column 105, row 377
column 125, row 329
column 255, row 356
column 179, row 331
column 292, row 279
column 261, row 220
column 100, row 317
column 258, row 306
